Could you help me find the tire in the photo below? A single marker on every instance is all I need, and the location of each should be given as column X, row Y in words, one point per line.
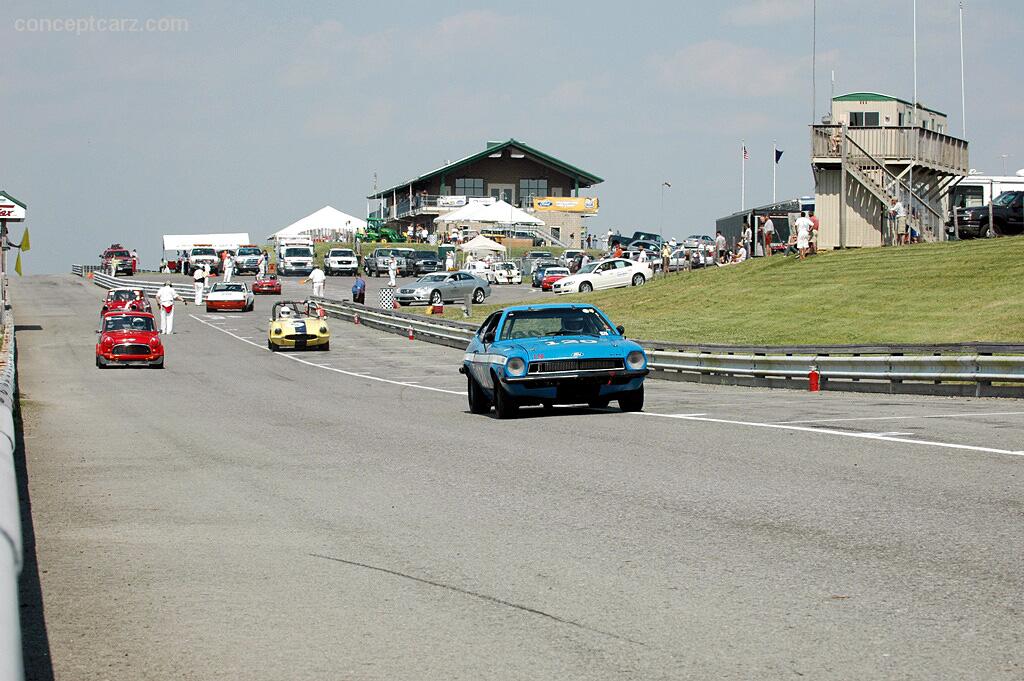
column 435, row 298
column 100, row 364
column 209, row 309
column 639, row 280
column 478, row 296
column 478, row 402
column 586, row 287
column 598, row 404
column 505, row 406
column 271, row 346
column 988, row 232
column 632, row 401
column 325, row 347
column 159, row 364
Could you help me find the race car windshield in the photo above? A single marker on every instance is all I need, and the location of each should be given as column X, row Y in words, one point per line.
column 249, row 251
column 123, row 295
column 237, row 288
column 554, row 322
column 119, row 254
column 203, row 251
column 127, row 323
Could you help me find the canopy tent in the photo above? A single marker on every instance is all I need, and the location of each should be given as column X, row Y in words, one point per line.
column 183, row 242
column 326, row 222
column 500, row 212
column 482, row 244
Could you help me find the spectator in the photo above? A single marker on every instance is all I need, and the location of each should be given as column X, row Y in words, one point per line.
column 359, row 290
column 666, row 255
column 769, row 233
column 898, row 215
column 803, row 234
column 748, row 238
column 197, row 278
column 317, row 279
column 720, row 246
column 815, row 225
column 618, row 250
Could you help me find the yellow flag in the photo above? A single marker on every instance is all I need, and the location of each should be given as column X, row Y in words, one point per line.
column 25, row 243
column 17, row 264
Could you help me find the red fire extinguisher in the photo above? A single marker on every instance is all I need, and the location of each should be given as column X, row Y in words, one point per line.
column 814, row 380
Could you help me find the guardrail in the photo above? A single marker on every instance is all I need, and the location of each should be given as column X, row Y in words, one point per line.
column 972, row 369
column 150, row 287
column 11, row 556
column 82, row 270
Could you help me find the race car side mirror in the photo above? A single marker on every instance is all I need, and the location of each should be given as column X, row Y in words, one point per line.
column 621, row 329
column 489, row 337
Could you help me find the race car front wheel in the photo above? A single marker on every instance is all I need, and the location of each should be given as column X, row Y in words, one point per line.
column 633, row 400
column 478, row 402
column 505, row 406
column 435, row 299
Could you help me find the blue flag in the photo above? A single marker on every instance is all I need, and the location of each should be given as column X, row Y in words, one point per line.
column 778, row 155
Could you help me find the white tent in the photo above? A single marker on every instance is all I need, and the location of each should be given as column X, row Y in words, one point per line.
column 500, row 212
column 482, row 244
column 326, row 222
column 183, row 242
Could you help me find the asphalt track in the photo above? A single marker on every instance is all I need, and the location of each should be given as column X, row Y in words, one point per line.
column 255, row 515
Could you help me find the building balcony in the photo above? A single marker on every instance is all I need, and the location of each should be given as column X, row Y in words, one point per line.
column 893, row 145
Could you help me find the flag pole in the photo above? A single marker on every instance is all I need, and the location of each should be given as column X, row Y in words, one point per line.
column 775, row 165
column 743, row 175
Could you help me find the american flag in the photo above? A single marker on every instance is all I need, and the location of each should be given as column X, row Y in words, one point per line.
column 746, row 156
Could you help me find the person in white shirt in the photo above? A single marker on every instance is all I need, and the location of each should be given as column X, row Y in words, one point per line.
column 642, row 255
column 264, row 259
column 165, row 297
column 720, row 247
column 769, row 233
column 199, row 276
column 392, row 269
column 229, row 268
column 206, row 275
column 748, row 238
column 741, row 254
column 449, row 261
column 803, row 234
column 317, row 278
column 899, row 215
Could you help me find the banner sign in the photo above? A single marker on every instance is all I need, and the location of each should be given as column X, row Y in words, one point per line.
column 567, row 204
column 451, row 201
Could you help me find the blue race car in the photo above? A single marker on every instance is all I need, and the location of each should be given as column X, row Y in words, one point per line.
column 548, row 354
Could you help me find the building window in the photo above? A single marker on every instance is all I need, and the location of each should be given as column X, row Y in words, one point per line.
column 863, row 119
column 529, row 188
column 469, row 186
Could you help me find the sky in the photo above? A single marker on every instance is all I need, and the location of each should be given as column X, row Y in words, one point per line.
column 243, row 118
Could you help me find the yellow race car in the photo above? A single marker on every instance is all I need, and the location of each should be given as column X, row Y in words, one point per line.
column 299, row 325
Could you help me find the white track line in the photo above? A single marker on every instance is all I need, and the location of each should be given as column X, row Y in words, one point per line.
column 928, row 416
column 329, row 368
column 840, row 433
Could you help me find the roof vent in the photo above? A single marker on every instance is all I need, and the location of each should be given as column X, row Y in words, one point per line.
column 494, row 143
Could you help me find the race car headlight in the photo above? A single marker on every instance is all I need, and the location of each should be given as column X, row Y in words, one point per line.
column 515, row 367
column 323, row 329
column 635, row 360
column 278, row 332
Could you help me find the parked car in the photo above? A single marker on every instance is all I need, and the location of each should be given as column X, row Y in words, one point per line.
column 507, row 273
column 548, row 354
column 698, row 240
column 603, row 274
column 425, row 262
column 233, row 295
column 129, row 338
column 551, row 275
column 480, row 269
column 341, row 261
column 295, row 259
column 538, row 271
column 653, row 259
column 247, row 260
column 300, row 325
column 568, row 255
column 126, row 264
column 268, row 284
column 444, row 287
column 1007, row 217
column 126, row 299
column 377, row 263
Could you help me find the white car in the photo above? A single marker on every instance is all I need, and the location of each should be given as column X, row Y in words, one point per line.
column 341, row 261
column 610, row 273
column 507, row 273
column 479, row 268
column 229, row 296
column 568, row 256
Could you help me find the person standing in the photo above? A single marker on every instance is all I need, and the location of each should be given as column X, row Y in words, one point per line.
column 449, row 261
column 815, row 226
column 720, row 247
column 229, row 267
column 803, row 234
column 359, row 290
column 666, row 256
column 392, row 269
column 617, row 252
column 113, row 265
column 206, row 275
column 317, row 278
column 748, row 239
column 165, row 297
column 899, row 217
column 198, row 275
column 769, row 233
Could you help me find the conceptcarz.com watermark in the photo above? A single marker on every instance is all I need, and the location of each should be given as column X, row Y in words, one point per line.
column 80, row 25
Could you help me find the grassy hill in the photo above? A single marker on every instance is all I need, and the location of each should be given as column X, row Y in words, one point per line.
column 926, row 293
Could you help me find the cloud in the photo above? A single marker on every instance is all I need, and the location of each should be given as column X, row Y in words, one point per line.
column 717, row 67
column 765, row 12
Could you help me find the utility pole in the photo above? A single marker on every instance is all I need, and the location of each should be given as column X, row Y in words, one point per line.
column 963, row 92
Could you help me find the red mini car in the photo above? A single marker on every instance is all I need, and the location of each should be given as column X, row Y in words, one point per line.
column 267, row 284
column 131, row 299
column 128, row 338
column 551, row 275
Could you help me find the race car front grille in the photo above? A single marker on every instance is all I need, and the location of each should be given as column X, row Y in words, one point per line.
column 131, row 349
column 300, row 336
column 553, row 365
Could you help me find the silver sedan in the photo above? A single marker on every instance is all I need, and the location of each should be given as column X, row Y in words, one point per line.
column 444, row 287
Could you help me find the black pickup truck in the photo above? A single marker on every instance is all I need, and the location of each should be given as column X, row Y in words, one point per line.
column 1007, row 217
